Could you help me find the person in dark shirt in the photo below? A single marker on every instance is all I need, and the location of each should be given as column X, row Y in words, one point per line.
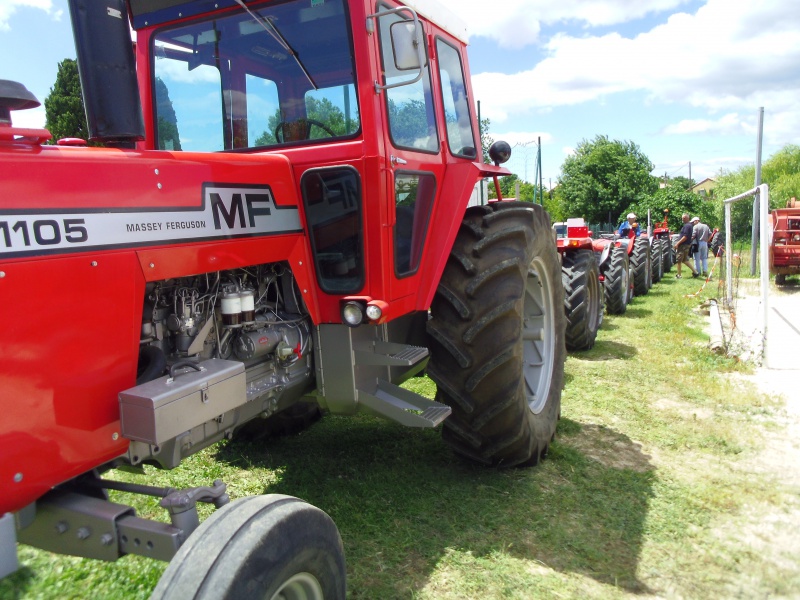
column 683, row 247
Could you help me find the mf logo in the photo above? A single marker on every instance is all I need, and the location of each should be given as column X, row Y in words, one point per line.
column 239, row 208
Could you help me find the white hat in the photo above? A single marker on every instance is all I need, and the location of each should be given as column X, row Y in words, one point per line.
column 631, row 216
column 695, row 219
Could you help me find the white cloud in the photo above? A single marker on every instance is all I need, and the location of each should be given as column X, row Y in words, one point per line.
column 9, row 7
column 518, row 23
column 728, row 58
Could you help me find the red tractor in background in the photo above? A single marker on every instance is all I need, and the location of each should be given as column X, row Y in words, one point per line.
column 583, row 293
column 784, row 247
column 662, row 233
column 626, row 267
column 278, row 216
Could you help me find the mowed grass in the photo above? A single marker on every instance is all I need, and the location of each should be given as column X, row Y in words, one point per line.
column 649, row 473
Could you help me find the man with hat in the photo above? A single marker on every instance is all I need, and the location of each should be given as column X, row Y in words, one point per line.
column 628, row 224
column 683, row 247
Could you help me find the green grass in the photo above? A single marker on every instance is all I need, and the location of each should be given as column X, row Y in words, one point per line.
column 647, row 468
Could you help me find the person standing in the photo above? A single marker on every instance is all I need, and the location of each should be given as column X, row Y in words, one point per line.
column 701, row 235
column 683, row 247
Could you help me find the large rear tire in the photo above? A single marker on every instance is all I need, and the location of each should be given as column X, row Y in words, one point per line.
column 272, row 547
column 583, row 299
column 642, row 269
column 617, row 282
column 497, row 336
column 667, row 255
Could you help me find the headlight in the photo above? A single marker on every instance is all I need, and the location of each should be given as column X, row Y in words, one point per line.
column 353, row 313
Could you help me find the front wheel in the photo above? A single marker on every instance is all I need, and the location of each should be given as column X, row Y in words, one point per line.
column 583, row 299
column 657, row 260
column 616, row 273
column 497, row 336
column 642, row 270
column 273, row 547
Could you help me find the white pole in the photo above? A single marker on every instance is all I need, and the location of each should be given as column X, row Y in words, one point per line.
column 728, row 257
column 764, row 206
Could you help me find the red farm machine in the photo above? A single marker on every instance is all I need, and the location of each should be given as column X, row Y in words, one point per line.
column 784, row 248
column 583, row 288
column 278, row 213
column 629, row 263
column 662, row 232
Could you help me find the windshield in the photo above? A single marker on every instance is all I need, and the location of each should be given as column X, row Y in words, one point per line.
column 276, row 74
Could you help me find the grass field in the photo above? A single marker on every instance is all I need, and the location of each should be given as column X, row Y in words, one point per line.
column 646, row 491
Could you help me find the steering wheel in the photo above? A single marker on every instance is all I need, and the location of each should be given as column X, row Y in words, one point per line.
column 308, row 124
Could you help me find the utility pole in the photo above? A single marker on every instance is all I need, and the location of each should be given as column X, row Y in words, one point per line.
column 691, row 183
column 757, row 199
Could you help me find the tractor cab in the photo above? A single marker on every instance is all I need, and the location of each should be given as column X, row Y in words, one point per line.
column 369, row 103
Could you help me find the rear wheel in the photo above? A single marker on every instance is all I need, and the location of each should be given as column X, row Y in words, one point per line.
column 641, row 264
column 497, row 336
column 583, row 298
column 780, row 279
column 617, row 282
column 273, row 547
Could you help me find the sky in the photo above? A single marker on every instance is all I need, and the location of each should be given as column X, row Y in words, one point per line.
column 683, row 79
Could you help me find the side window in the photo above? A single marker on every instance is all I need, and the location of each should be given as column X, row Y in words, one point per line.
column 181, row 95
column 414, row 194
column 460, row 136
column 332, row 112
column 262, row 105
column 332, row 199
column 411, row 118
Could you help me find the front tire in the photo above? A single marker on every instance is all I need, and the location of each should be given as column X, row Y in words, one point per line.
column 271, row 547
column 583, row 299
column 497, row 336
column 617, row 282
column 657, row 260
column 641, row 264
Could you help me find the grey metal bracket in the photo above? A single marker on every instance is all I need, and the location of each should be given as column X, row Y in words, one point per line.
column 402, row 405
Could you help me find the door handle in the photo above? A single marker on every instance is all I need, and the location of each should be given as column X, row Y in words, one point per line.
column 396, row 160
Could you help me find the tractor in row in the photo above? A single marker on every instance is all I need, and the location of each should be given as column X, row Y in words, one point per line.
column 276, row 212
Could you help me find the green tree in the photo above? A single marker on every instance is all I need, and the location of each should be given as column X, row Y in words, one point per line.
column 168, row 137
column 677, row 200
column 604, row 178
column 681, row 182
column 486, row 139
column 322, row 110
column 63, row 107
column 781, row 172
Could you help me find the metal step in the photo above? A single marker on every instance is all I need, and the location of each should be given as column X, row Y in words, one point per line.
column 402, row 405
column 388, row 354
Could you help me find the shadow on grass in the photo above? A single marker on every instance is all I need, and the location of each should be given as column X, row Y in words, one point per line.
column 405, row 505
column 607, row 350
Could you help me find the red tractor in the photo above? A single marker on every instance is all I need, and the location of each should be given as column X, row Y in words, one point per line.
column 625, row 266
column 662, row 234
column 583, row 293
column 784, row 248
column 278, row 215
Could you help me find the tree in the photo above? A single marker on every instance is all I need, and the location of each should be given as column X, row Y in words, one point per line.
column 681, row 182
column 677, row 200
column 486, row 139
column 168, row 137
column 605, row 178
column 322, row 110
column 63, row 107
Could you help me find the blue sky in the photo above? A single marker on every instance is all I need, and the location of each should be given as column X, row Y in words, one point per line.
column 683, row 79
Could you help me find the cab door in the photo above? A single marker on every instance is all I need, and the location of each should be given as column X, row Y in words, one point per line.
column 415, row 167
